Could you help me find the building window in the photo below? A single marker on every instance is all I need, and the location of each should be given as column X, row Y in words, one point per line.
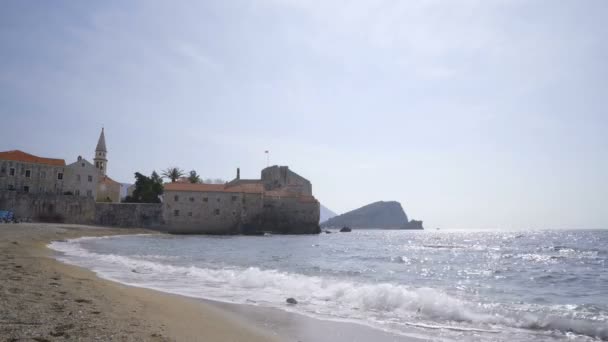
column 175, row 212
column 11, row 171
column 77, row 192
column 216, row 211
column 233, row 198
column 42, row 190
column 78, row 178
column 60, row 175
column 191, row 199
column 11, row 187
column 205, row 199
column 189, row 213
column 90, row 193
column 42, row 174
column 82, row 164
column 90, row 178
column 176, row 199
column 28, row 173
column 26, row 188
column 218, row 199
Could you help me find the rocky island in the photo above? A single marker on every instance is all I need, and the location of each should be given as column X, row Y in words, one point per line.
column 379, row 215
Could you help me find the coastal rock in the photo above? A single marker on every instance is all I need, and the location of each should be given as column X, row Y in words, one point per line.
column 382, row 215
column 345, row 230
column 291, row 300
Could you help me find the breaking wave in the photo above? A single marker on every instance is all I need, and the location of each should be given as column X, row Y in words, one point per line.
column 321, row 297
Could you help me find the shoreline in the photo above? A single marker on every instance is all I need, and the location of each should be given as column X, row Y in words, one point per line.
column 74, row 303
column 44, row 299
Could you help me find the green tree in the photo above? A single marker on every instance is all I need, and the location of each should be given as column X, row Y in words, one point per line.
column 156, row 178
column 173, row 173
column 194, row 178
column 147, row 189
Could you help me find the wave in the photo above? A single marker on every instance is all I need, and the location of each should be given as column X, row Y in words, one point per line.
column 323, row 297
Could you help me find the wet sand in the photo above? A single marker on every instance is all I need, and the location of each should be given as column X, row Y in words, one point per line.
column 42, row 299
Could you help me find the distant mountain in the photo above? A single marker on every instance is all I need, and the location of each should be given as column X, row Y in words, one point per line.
column 383, row 215
column 326, row 214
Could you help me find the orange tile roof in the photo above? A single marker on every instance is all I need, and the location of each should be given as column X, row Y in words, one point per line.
column 21, row 156
column 106, row 179
column 246, row 188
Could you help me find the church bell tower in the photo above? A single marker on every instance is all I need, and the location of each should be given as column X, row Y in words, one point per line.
column 101, row 163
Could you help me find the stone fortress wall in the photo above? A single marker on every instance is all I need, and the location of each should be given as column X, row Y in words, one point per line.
column 44, row 207
column 280, row 202
column 45, row 189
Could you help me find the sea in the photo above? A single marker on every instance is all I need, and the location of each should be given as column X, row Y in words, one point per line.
column 542, row 285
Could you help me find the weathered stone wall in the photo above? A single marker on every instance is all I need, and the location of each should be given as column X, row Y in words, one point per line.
column 290, row 215
column 42, row 178
column 81, row 178
column 209, row 212
column 49, row 207
column 280, row 177
column 108, row 190
column 130, row 215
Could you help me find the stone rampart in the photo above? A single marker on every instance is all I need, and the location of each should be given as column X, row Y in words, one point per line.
column 49, row 207
column 130, row 215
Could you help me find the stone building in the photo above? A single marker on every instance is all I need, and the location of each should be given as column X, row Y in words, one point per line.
column 82, row 178
column 280, row 202
column 24, row 172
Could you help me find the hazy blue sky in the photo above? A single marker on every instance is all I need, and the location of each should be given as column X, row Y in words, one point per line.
column 472, row 114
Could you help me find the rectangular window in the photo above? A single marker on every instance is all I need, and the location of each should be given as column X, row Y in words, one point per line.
column 216, row 211
column 176, row 212
column 233, row 198
column 42, row 190
column 26, row 188
column 42, row 174
column 189, row 213
column 218, row 199
column 191, row 199
column 28, row 173
column 11, row 187
column 176, row 199
column 78, row 178
column 11, row 171
column 77, row 192
column 90, row 178
column 205, row 199
column 90, row 193
column 60, row 175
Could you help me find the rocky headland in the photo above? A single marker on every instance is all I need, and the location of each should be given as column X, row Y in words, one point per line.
column 379, row 215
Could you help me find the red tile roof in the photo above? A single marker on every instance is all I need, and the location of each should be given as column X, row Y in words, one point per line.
column 21, row 156
column 107, row 180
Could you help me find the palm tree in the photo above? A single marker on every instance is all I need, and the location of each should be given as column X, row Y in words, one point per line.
column 194, row 178
column 173, row 173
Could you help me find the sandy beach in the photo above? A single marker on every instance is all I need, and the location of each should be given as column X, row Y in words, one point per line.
column 42, row 299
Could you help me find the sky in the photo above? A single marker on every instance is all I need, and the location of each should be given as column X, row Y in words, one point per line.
column 472, row 114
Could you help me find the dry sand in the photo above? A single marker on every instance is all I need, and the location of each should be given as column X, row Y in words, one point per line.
column 44, row 300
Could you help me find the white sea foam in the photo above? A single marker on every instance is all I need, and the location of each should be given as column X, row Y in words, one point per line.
column 318, row 296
